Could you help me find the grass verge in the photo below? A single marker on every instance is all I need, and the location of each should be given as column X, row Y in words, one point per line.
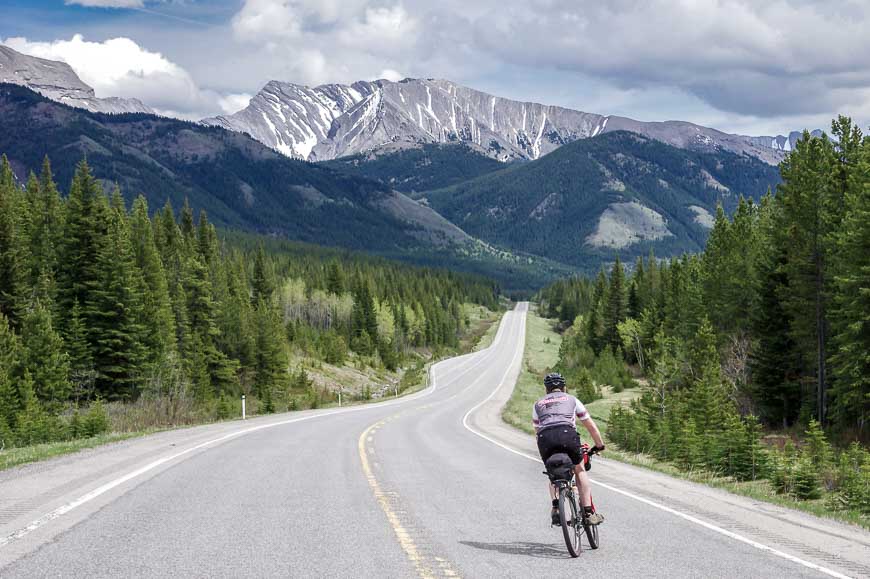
column 25, row 454
column 540, row 355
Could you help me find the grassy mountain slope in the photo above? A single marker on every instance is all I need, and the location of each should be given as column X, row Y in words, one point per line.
column 419, row 168
column 618, row 192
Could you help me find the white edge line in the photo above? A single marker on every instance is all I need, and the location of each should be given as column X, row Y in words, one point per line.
column 690, row 518
column 89, row 496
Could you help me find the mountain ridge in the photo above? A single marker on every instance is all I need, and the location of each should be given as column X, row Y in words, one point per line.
column 331, row 121
column 59, row 82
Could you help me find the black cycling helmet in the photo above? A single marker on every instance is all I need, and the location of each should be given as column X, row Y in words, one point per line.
column 554, row 381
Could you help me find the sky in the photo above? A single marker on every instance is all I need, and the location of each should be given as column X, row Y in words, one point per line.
column 759, row 67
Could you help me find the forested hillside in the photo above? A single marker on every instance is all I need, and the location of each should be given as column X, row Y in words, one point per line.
column 99, row 301
column 614, row 191
column 771, row 322
column 425, row 167
column 243, row 184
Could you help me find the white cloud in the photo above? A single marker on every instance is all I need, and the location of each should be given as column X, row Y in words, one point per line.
column 106, row 3
column 390, row 74
column 232, row 103
column 789, row 60
column 120, row 67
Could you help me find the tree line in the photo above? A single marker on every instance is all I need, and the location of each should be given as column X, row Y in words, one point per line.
column 99, row 301
column 768, row 326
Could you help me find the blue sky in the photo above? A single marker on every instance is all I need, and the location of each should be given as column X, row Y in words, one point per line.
column 755, row 67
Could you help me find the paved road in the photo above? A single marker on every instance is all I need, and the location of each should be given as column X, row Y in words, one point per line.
column 429, row 485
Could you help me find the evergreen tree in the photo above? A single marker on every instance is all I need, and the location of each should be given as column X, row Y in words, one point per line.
column 615, row 312
column 850, row 319
column 263, row 285
column 14, row 269
column 335, row 279
column 44, row 357
column 114, row 310
column 159, row 325
column 10, row 403
column 804, row 198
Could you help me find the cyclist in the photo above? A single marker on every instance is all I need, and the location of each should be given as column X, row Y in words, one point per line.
column 555, row 417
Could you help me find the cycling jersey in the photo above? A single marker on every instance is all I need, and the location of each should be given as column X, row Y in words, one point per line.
column 558, row 409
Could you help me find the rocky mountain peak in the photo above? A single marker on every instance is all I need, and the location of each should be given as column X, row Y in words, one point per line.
column 59, row 82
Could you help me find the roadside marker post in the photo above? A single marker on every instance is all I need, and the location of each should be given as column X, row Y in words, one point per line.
column 243, row 407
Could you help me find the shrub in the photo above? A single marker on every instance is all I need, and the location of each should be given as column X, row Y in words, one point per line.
column 96, row 421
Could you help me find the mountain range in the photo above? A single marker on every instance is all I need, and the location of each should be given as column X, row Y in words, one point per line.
column 422, row 170
column 331, row 121
column 245, row 185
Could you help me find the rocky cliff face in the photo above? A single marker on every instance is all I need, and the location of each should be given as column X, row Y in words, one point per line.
column 59, row 82
column 331, row 121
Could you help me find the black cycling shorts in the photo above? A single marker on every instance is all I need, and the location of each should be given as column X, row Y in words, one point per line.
column 560, row 439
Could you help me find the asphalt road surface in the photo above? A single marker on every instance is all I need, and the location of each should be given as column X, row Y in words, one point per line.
column 429, row 485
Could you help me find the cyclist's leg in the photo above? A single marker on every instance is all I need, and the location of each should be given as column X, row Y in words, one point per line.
column 583, row 485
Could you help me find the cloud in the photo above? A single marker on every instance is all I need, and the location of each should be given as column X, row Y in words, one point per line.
column 232, row 103
column 390, row 74
column 776, row 59
column 106, row 3
column 120, row 67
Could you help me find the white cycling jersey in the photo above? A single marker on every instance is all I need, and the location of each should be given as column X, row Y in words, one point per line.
column 558, row 409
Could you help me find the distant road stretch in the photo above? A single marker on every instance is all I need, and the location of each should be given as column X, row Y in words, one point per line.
column 429, row 485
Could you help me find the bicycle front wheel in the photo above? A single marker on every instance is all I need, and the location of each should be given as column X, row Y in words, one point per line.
column 572, row 528
column 591, row 533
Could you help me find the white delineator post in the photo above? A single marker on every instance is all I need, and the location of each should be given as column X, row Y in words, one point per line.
column 339, row 397
column 243, row 407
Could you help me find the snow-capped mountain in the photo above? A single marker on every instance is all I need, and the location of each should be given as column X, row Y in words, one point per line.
column 59, row 82
column 331, row 121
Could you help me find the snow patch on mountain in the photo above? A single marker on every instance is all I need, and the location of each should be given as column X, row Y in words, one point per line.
column 623, row 224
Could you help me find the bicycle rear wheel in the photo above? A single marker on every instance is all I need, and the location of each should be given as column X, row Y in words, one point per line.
column 570, row 519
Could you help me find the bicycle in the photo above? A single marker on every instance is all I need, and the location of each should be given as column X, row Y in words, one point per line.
column 560, row 469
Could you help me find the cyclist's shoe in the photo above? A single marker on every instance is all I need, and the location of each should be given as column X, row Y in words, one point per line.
column 595, row 518
column 554, row 516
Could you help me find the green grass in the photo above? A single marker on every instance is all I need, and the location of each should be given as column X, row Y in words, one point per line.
column 600, row 409
column 18, row 456
column 541, row 354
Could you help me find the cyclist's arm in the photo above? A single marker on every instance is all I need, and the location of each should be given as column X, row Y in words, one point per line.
column 590, row 425
column 535, row 421
column 593, row 431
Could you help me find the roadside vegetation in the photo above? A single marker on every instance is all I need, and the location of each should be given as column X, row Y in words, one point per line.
column 117, row 319
column 755, row 354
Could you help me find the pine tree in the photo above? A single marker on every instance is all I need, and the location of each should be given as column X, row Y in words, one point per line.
column 271, row 357
column 850, row 319
column 10, row 347
column 44, row 357
column 804, row 198
column 159, row 337
column 615, row 311
column 114, row 310
column 335, row 278
column 14, row 268
column 263, row 284
column 595, row 320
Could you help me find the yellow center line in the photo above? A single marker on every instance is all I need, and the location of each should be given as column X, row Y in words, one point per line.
column 386, row 500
